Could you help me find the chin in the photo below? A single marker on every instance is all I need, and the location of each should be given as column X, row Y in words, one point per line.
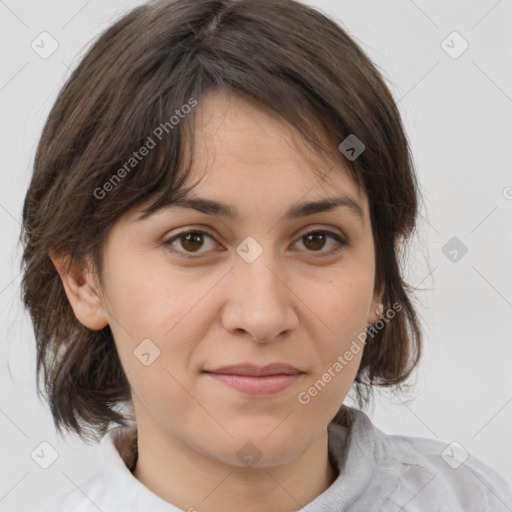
column 258, row 451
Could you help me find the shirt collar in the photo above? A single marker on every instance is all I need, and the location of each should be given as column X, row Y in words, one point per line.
column 125, row 492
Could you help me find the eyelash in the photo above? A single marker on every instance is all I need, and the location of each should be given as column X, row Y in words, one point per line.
column 341, row 241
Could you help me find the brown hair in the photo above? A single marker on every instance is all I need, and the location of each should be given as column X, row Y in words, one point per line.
column 144, row 69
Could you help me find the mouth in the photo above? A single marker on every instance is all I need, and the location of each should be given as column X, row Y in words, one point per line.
column 257, row 380
column 248, row 369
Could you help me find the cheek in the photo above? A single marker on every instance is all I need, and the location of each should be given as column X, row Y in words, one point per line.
column 341, row 305
column 341, row 310
column 339, row 358
column 165, row 326
column 158, row 319
column 150, row 299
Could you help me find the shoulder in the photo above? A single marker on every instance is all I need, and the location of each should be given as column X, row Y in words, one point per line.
column 113, row 487
column 415, row 474
column 104, row 485
column 438, row 475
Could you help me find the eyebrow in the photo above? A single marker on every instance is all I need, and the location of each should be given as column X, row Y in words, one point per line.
column 297, row 211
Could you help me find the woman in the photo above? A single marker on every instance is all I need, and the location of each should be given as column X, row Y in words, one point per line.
column 212, row 236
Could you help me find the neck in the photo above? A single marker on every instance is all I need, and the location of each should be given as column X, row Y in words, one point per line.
column 191, row 480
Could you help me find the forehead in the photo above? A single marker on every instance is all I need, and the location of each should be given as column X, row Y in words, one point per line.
column 239, row 143
column 248, row 161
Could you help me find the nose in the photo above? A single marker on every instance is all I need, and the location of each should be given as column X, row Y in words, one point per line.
column 259, row 301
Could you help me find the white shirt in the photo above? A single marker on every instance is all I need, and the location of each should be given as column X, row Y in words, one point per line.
column 378, row 473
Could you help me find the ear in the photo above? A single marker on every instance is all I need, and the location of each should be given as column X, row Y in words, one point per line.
column 377, row 308
column 80, row 289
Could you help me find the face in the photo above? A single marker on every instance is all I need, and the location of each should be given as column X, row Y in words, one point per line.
column 257, row 288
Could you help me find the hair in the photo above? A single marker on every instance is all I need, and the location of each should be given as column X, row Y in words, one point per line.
column 145, row 68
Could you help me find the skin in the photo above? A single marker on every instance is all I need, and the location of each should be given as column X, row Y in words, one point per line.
column 295, row 303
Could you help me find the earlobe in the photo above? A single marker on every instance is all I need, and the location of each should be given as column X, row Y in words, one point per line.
column 376, row 313
column 80, row 291
column 377, row 308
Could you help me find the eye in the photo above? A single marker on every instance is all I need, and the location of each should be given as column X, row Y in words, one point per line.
column 192, row 241
column 189, row 240
column 315, row 240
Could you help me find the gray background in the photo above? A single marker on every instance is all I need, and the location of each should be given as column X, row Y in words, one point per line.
column 458, row 116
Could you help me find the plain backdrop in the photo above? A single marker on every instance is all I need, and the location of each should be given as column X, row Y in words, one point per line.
column 457, row 110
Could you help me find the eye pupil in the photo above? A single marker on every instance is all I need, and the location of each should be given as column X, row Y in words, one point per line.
column 191, row 238
column 315, row 237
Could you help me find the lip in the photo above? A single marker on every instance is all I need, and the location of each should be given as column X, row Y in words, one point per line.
column 257, row 380
column 248, row 369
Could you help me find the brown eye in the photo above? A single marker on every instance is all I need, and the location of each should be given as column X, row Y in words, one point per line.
column 190, row 241
column 315, row 241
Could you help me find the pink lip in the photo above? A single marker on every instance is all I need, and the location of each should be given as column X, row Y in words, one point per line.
column 254, row 370
column 257, row 380
column 263, row 385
